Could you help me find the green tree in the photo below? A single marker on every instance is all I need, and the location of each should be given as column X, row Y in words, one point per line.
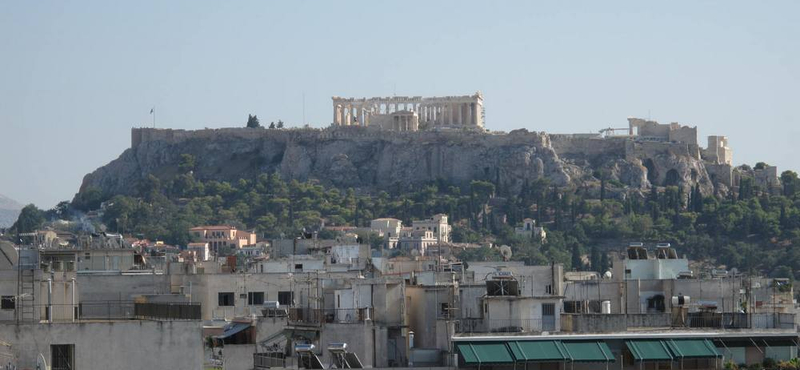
column 30, row 219
column 577, row 262
column 280, row 124
column 187, row 163
column 790, row 183
column 595, row 259
column 89, row 199
column 604, row 264
column 252, row 121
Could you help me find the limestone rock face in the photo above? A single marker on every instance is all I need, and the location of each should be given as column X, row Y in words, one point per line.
column 372, row 160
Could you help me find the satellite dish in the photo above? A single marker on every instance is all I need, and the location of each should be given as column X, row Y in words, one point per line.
column 415, row 252
column 41, row 363
column 505, row 251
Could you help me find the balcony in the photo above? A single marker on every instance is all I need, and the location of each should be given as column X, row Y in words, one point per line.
column 167, row 311
column 268, row 360
column 301, row 316
column 479, row 325
column 610, row 323
column 115, row 310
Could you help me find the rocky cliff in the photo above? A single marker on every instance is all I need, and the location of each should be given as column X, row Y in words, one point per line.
column 369, row 160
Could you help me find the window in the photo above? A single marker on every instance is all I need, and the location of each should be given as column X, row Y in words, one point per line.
column 548, row 289
column 62, row 356
column 7, row 302
column 445, row 310
column 226, row 299
column 298, row 267
column 548, row 309
column 285, row 298
column 87, row 256
column 255, row 298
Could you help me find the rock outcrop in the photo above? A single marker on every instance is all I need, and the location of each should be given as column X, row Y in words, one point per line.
column 370, row 160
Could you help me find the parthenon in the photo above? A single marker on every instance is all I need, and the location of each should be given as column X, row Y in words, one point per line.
column 403, row 113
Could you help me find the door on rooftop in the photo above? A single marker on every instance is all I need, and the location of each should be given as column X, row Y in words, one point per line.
column 62, row 356
column 548, row 316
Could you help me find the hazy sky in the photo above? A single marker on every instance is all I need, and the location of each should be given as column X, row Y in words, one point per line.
column 76, row 76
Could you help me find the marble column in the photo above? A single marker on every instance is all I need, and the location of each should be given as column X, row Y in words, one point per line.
column 334, row 113
column 449, row 114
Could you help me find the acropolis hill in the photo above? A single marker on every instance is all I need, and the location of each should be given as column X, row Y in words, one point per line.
column 398, row 142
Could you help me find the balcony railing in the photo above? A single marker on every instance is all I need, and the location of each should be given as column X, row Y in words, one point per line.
column 605, row 323
column 739, row 320
column 268, row 360
column 317, row 316
column 167, row 311
column 115, row 310
column 479, row 325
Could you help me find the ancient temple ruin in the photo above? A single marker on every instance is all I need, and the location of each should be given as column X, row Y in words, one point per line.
column 403, row 113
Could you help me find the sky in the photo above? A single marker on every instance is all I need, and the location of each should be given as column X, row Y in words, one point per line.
column 75, row 77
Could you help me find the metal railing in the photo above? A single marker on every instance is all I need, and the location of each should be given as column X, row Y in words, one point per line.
column 478, row 325
column 602, row 323
column 115, row 310
column 268, row 360
column 740, row 320
column 167, row 311
column 318, row 316
column 92, row 310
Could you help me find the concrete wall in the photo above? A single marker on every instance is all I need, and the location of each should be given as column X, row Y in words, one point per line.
column 611, row 323
column 361, row 339
column 238, row 356
column 111, row 345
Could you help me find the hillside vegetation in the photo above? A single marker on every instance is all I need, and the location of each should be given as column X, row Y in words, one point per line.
column 751, row 230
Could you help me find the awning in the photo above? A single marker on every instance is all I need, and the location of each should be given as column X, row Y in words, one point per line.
column 485, row 353
column 649, row 350
column 589, row 351
column 232, row 329
column 692, row 348
column 539, row 351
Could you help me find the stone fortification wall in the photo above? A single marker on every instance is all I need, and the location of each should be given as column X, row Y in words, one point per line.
column 359, row 157
column 145, row 135
column 577, row 146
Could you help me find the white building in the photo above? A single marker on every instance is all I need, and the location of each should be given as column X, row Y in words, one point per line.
column 530, row 230
column 437, row 225
column 388, row 228
column 201, row 251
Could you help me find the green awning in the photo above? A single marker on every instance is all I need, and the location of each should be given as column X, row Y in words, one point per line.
column 539, row 351
column 692, row 348
column 485, row 353
column 589, row 351
column 649, row 350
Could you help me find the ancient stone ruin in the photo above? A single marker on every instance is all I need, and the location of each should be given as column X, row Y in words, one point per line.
column 403, row 113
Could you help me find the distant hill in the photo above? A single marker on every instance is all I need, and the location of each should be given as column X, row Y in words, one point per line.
column 9, row 211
